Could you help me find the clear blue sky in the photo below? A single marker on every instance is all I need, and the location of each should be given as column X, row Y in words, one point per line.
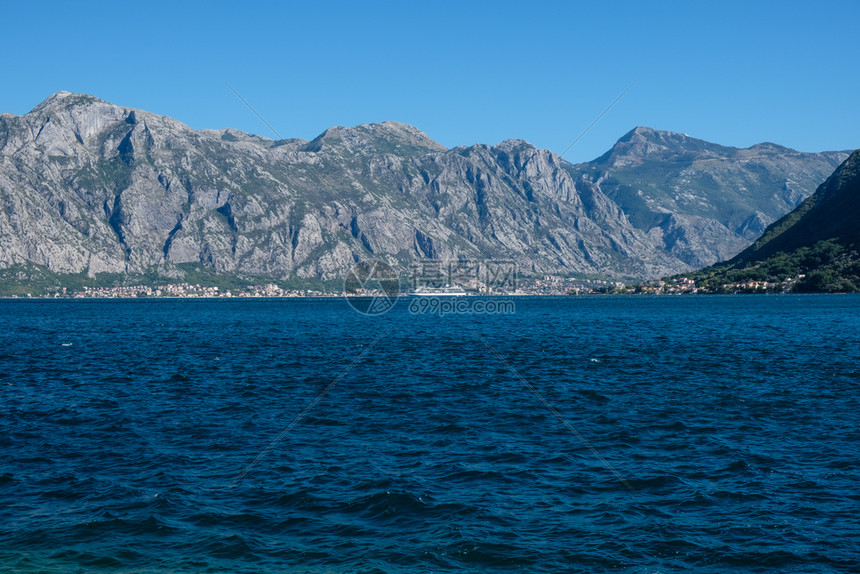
column 471, row 72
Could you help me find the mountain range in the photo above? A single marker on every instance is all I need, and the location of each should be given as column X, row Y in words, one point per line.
column 90, row 188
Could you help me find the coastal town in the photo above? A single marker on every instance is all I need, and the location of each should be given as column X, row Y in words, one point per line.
column 547, row 285
column 187, row 290
column 688, row 286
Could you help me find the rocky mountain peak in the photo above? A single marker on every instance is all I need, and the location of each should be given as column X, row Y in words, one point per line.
column 664, row 139
column 387, row 137
column 511, row 145
column 644, row 143
column 63, row 100
column 771, row 147
column 61, row 122
column 644, row 133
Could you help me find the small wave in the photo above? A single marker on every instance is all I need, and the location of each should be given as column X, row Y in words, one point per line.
column 451, row 428
column 475, row 476
column 150, row 524
column 659, row 483
column 594, row 396
column 231, row 547
column 739, row 496
column 299, row 499
column 386, row 504
column 472, row 554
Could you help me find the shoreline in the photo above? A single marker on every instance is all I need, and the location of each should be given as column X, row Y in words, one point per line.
column 405, row 296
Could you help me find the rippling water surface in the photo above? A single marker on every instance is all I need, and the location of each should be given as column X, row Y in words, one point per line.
column 709, row 434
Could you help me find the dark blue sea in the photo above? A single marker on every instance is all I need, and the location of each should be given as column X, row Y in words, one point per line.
column 575, row 434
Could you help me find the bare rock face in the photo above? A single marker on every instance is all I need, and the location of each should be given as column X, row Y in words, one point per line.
column 90, row 187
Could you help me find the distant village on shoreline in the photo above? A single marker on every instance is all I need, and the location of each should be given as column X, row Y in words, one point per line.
column 546, row 286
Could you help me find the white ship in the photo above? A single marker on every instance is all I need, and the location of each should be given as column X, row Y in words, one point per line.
column 446, row 291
